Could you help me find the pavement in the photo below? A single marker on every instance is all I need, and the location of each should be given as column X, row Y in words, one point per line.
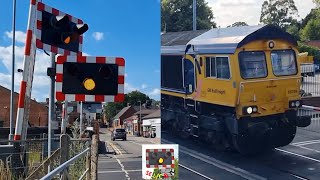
column 121, row 160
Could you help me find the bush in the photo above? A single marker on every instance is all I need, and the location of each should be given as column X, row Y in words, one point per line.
column 313, row 51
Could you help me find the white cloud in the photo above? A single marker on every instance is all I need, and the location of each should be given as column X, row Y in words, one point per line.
column 153, row 93
column 41, row 82
column 20, row 36
column 98, row 36
column 226, row 12
column 144, row 86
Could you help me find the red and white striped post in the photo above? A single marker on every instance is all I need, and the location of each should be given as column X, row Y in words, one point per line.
column 27, row 74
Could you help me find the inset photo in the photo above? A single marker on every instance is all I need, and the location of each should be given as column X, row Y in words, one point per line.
column 240, row 87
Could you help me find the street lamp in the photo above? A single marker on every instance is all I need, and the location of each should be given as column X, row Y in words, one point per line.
column 139, row 122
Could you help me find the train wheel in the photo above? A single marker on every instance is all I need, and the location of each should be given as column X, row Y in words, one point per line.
column 248, row 144
column 283, row 134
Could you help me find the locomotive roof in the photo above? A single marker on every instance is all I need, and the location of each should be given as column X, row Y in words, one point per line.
column 227, row 40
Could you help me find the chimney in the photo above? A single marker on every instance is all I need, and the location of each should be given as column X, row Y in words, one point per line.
column 128, row 104
column 47, row 100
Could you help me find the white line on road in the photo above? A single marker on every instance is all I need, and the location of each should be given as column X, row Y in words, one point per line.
column 210, row 160
column 302, row 143
column 122, row 168
column 310, row 149
column 299, row 155
column 105, row 172
column 196, row 172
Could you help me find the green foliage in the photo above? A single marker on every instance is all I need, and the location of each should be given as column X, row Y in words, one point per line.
column 278, row 12
column 176, row 170
column 176, row 15
column 237, row 24
column 311, row 30
column 132, row 98
column 312, row 15
column 317, row 2
column 294, row 29
column 313, row 51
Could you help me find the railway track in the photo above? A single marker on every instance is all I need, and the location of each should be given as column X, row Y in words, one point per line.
column 254, row 168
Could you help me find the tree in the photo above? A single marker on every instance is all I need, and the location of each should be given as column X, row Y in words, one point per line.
column 132, row 98
column 278, row 12
column 176, row 15
column 294, row 29
column 317, row 2
column 237, row 24
column 311, row 30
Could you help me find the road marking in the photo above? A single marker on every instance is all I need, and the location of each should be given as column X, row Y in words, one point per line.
column 204, row 176
column 105, row 172
column 139, row 143
column 210, row 160
column 302, row 143
column 115, row 148
column 310, row 149
column 299, row 155
column 122, row 168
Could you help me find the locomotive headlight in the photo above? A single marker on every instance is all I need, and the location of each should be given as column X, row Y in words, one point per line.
column 248, row 110
column 294, row 104
column 255, row 109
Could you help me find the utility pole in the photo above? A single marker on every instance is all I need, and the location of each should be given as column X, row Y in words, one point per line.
column 12, row 69
column 194, row 15
column 81, row 117
column 51, row 105
column 139, row 122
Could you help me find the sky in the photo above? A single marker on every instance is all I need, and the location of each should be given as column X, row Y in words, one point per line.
column 121, row 28
column 226, row 12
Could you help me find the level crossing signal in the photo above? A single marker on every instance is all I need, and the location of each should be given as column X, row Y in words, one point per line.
column 91, row 79
column 58, row 32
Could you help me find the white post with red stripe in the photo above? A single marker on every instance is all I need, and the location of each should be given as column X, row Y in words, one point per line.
column 64, row 117
column 27, row 76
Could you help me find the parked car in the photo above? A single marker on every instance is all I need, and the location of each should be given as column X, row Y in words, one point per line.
column 119, row 133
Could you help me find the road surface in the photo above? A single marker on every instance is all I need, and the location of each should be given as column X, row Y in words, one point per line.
column 126, row 164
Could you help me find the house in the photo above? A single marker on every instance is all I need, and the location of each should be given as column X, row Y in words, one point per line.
column 313, row 43
column 151, row 124
column 38, row 115
column 118, row 120
column 137, row 120
column 128, row 124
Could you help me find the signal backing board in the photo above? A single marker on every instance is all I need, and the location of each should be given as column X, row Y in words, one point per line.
column 83, row 74
column 42, row 14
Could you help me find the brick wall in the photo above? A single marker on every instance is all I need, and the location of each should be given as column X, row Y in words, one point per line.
column 38, row 112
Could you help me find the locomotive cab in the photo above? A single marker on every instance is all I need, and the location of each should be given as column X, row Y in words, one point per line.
column 240, row 88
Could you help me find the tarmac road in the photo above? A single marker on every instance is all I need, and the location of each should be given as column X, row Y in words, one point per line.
column 127, row 163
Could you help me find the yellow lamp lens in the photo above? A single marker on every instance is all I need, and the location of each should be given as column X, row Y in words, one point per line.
column 67, row 40
column 89, row 84
column 160, row 160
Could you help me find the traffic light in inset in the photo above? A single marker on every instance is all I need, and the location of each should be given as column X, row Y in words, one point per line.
column 90, row 79
column 160, row 158
column 58, row 32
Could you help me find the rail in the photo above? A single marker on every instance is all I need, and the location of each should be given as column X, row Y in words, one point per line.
column 65, row 165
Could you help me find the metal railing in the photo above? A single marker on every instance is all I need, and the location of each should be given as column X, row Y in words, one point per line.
column 310, row 86
column 315, row 118
column 67, row 164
